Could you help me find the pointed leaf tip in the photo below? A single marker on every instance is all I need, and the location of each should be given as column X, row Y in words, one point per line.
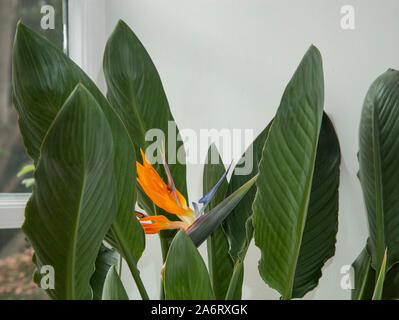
column 186, row 279
column 121, row 23
column 379, row 286
column 113, row 287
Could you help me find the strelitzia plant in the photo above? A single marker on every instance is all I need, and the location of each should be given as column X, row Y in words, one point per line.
column 87, row 212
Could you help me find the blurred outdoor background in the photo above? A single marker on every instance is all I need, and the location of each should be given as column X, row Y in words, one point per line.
column 16, row 268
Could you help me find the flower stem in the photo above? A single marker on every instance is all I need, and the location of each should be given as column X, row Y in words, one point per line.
column 165, row 244
column 136, row 276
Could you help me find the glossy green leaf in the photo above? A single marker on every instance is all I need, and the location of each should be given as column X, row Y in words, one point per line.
column 73, row 202
column 246, row 168
column 113, row 287
column 203, row 227
column 296, row 203
column 220, row 263
column 379, row 285
column 106, row 258
column 42, row 79
column 378, row 166
column 186, row 279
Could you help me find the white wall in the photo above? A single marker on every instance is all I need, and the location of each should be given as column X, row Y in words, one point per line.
column 225, row 64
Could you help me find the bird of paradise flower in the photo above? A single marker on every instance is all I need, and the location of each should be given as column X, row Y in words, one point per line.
column 168, row 198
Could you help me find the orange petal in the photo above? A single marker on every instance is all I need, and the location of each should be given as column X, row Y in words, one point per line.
column 157, row 190
column 160, row 223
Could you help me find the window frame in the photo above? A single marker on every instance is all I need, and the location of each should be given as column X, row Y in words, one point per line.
column 12, row 207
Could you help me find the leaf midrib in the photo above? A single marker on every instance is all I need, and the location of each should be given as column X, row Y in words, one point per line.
column 301, row 225
column 71, row 282
column 379, row 210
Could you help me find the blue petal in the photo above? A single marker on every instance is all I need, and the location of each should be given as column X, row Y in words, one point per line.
column 208, row 197
column 196, row 210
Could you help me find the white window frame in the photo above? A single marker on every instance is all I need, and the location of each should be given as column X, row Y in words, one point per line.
column 12, row 205
column 87, row 37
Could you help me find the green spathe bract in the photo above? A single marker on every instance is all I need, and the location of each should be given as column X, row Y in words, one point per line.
column 206, row 224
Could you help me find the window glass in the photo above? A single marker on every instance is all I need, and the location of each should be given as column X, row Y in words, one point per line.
column 16, row 268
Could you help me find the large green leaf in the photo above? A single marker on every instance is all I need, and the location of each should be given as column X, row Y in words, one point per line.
column 73, row 202
column 378, row 167
column 106, row 258
column 113, row 287
column 186, row 278
column 136, row 92
column 42, row 78
column 220, row 263
column 296, row 203
column 234, row 224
